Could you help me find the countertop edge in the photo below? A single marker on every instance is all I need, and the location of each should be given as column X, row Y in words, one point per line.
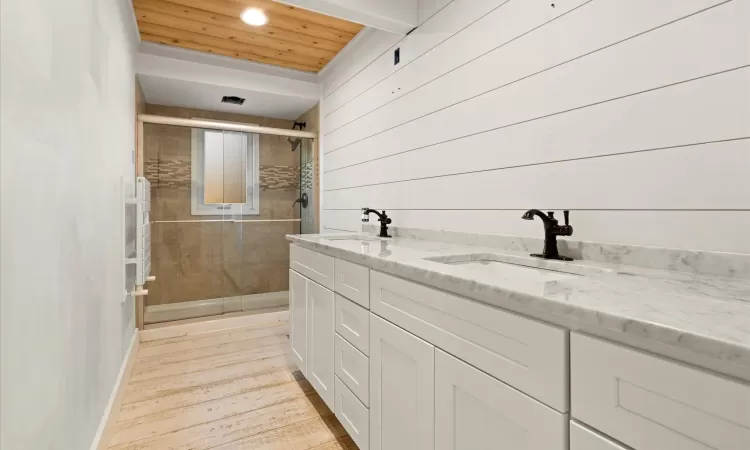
column 689, row 347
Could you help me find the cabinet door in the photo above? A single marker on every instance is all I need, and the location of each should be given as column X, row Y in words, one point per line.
column 298, row 319
column 582, row 438
column 651, row 403
column 475, row 411
column 402, row 396
column 320, row 332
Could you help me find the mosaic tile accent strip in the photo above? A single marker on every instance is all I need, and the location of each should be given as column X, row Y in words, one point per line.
column 279, row 178
column 307, row 175
column 174, row 173
column 168, row 173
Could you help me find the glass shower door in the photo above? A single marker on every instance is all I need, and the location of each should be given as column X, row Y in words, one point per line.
column 223, row 203
column 306, row 186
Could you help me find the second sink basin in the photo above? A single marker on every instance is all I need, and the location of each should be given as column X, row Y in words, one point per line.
column 520, row 266
column 354, row 238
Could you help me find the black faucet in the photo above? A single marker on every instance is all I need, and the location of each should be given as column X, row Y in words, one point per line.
column 551, row 231
column 382, row 218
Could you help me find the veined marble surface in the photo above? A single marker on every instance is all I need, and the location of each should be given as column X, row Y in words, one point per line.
column 702, row 318
column 735, row 265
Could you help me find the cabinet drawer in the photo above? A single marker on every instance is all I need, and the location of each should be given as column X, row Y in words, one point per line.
column 582, row 438
column 524, row 353
column 353, row 368
column 353, row 415
column 315, row 266
column 474, row 410
column 353, row 282
column 651, row 403
column 353, row 323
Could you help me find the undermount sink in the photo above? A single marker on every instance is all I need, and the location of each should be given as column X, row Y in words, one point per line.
column 353, row 238
column 519, row 265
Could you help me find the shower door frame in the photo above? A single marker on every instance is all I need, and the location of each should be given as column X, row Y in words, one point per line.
column 211, row 125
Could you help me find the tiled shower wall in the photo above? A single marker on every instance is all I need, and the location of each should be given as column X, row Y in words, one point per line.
column 200, row 260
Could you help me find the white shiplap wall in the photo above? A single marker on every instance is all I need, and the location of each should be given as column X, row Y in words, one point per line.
column 633, row 114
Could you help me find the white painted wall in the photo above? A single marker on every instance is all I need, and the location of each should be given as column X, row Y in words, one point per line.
column 633, row 114
column 67, row 121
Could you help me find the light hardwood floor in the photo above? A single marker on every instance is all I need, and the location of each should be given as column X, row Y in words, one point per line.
column 227, row 389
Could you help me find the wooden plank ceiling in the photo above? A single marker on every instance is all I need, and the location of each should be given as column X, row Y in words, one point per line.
column 293, row 38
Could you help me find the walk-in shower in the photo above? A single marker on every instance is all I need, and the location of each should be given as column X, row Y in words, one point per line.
column 224, row 196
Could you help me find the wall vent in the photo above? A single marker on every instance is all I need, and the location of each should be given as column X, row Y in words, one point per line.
column 233, row 100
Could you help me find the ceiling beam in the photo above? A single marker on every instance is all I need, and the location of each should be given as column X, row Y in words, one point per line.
column 181, row 69
column 395, row 16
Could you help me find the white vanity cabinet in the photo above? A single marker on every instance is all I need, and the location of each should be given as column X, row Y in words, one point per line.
column 402, row 394
column 651, row 403
column 320, row 341
column 312, row 313
column 311, row 333
column 409, row 367
column 298, row 320
column 475, row 411
column 582, row 438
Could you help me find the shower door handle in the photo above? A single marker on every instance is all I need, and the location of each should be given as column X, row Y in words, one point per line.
column 302, row 200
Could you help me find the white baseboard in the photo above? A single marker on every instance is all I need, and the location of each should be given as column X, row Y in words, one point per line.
column 109, row 418
column 212, row 325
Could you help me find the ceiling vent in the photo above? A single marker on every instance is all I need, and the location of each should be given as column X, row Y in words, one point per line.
column 232, row 100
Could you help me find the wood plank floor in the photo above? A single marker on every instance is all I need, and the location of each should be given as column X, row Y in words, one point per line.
column 226, row 390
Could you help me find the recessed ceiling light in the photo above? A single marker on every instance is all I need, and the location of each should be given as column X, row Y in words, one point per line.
column 254, row 16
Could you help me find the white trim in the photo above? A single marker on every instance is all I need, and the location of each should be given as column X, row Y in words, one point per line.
column 215, row 125
column 109, row 418
column 350, row 48
column 395, row 17
column 212, row 325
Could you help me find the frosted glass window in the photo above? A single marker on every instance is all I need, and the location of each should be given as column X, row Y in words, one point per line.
column 224, row 168
column 225, row 175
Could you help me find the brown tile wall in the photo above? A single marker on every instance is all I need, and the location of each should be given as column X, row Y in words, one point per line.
column 196, row 261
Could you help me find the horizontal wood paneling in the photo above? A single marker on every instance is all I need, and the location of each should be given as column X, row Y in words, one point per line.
column 703, row 230
column 452, row 107
column 332, row 41
column 368, row 47
column 633, row 114
column 220, row 46
column 649, row 180
column 293, row 38
column 220, row 31
column 222, row 9
column 275, row 8
column 464, row 31
column 457, row 15
column 598, row 24
column 717, row 106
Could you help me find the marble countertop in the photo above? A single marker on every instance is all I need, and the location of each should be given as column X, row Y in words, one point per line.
column 696, row 315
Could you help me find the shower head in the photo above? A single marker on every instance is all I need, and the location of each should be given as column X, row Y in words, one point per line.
column 294, row 142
